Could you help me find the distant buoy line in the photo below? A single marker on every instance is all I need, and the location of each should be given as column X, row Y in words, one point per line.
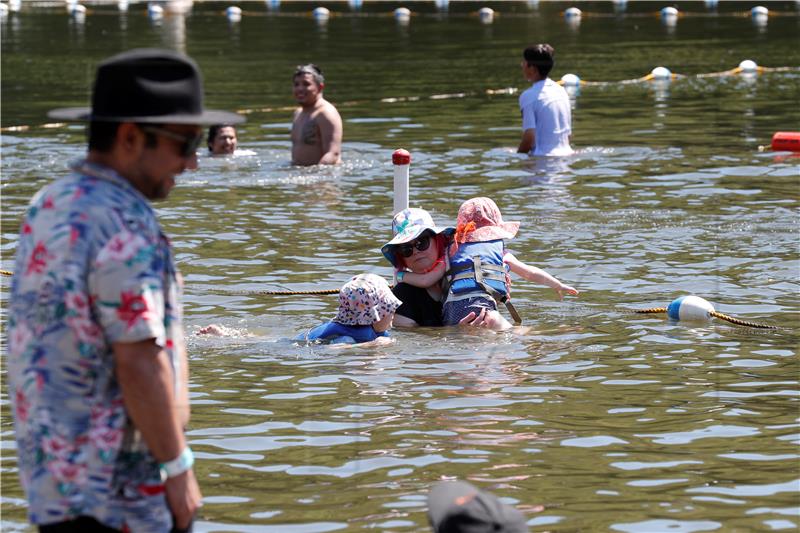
column 746, row 67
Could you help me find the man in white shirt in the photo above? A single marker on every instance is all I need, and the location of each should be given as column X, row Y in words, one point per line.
column 546, row 113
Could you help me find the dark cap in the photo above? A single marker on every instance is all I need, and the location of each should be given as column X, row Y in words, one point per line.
column 147, row 85
column 458, row 507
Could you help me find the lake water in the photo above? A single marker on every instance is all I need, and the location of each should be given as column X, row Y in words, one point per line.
column 590, row 419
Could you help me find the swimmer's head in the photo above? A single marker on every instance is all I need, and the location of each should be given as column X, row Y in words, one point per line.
column 311, row 69
column 479, row 219
column 540, row 56
column 367, row 300
column 408, row 226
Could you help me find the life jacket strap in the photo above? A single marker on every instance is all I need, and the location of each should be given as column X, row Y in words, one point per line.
column 494, row 293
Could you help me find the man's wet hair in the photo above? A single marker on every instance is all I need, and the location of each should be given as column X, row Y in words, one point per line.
column 312, row 69
column 541, row 57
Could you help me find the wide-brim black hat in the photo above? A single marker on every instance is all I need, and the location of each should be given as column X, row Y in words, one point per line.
column 458, row 507
column 151, row 86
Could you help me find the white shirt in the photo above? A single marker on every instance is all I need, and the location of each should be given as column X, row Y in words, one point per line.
column 545, row 108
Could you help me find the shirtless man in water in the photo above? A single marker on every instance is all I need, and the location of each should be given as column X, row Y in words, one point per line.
column 316, row 126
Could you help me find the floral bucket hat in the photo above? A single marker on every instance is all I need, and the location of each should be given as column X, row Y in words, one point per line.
column 365, row 299
column 407, row 225
column 479, row 219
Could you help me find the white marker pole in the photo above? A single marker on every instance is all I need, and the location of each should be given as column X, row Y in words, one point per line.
column 401, row 160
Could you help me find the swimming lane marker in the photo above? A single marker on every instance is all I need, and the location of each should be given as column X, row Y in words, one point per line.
column 695, row 309
column 234, row 13
column 321, row 14
column 786, row 141
column 401, row 159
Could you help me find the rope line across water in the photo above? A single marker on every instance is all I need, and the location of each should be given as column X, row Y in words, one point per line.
column 317, row 292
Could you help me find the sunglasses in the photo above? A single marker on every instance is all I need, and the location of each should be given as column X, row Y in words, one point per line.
column 190, row 144
column 421, row 244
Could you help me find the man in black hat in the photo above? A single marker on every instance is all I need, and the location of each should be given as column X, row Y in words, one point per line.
column 458, row 507
column 97, row 367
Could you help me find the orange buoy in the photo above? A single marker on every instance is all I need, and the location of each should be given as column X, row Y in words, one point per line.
column 786, row 141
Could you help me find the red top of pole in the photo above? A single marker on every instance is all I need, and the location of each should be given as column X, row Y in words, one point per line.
column 401, row 157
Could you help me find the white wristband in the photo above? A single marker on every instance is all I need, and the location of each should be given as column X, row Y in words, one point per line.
column 177, row 466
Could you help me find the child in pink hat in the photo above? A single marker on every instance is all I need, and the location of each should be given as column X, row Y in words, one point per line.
column 479, row 265
column 366, row 311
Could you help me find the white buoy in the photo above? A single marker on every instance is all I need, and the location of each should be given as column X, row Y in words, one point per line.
column 234, row 14
column 572, row 13
column 321, row 14
column 570, row 80
column 402, row 14
column 155, row 11
column 122, row 5
column 401, row 160
column 273, row 5
column 760, row 15
column 14, row 5
column 748, row 66
column 486, row 15
column 661, row 73
column 78, row 10
column 70, row 5
column 669, row 15
column 355, row 5
column 3, row 10
column 690, row 309
column 442, row 5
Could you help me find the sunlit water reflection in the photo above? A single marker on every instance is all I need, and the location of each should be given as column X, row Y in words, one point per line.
column 588, row 417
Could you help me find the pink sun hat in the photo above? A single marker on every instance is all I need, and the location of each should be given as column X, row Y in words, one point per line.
column 365, row 299
column 479, row 219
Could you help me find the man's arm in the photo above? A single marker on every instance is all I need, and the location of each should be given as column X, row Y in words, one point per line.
column 330, row 129
column 145, row 375
column 527, row 142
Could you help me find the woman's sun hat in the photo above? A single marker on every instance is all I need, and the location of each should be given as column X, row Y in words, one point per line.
column 407, row 225
column 365, row 299
column 479, row 219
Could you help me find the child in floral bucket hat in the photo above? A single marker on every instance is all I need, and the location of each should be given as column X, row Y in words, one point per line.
column 366, row 311
column 479, row 264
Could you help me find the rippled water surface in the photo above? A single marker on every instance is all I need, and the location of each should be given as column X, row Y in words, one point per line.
column 589, row 417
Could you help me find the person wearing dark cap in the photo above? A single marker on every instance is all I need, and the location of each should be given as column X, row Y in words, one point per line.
column 97, row 367
column 458, row 507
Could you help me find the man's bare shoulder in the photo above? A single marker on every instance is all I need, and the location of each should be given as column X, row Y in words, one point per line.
column 329, row 111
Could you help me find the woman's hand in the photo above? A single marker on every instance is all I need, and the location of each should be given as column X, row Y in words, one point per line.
column 487, row 318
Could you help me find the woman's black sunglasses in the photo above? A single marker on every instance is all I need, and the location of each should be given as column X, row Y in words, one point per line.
column 420, row 243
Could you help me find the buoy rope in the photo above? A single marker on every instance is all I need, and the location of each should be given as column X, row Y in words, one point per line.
column 275, row 293
column 317, row 292
column 649, row 310
column 506, row 91
column 739, row 322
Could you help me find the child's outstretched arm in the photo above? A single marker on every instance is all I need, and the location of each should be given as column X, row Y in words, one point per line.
column 532, row 273
column 423, row 280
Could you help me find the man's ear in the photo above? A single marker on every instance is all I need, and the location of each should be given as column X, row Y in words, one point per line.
column 129, row 136
column 321, row 86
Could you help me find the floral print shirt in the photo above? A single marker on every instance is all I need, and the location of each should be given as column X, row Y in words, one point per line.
column 92, row 268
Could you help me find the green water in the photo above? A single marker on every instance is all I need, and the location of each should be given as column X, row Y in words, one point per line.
column 591, row 419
